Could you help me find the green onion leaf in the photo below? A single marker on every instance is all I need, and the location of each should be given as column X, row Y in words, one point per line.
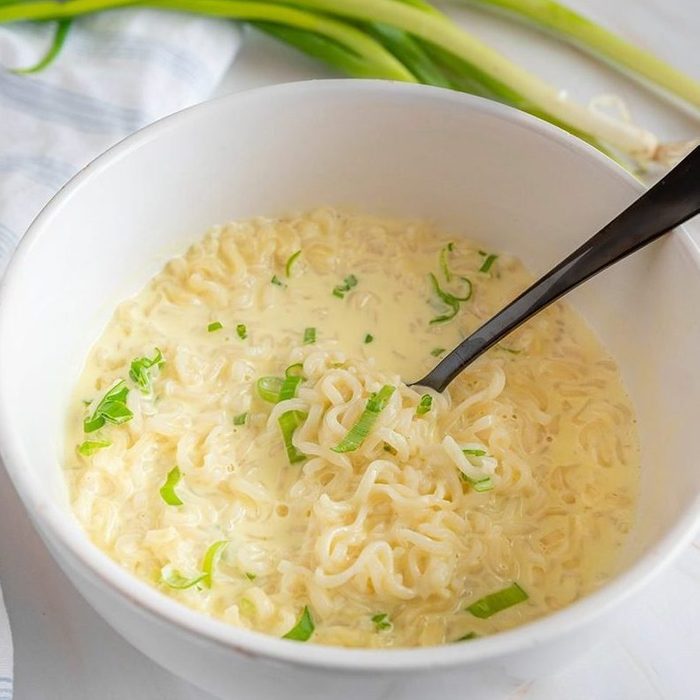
column 309, row 336
column 436, row 352
column 449, row 299
column 175, row 579
column 475, row 453
column 443, row 261
column 211, row 558
column 290, row 261
column 295, row 370
column 467, row 637
column 276, row 280
column 242, row 331
column 89, row 447
column 250, row 576
column 304, row 628
column 425, row 404
column 269, row 388
column 369, row 338
column 49, row 57
column 112, row 408
column 359, row 432
column 289, row 387
column 490, row 260
column 341, row 290
column 480, row 485
column 289, row 421
column 495, row 602
column 381, row 621
column 140, row 370
column 512, row 351
column 167, row 490
column 240, row 419
column 215, row 326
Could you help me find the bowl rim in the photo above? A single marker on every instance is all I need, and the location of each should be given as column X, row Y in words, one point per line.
column 53, row 523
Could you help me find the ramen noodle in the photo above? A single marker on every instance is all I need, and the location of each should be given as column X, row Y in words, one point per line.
column 248, row 444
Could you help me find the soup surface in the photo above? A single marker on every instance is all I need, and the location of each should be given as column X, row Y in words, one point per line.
column 246, row 441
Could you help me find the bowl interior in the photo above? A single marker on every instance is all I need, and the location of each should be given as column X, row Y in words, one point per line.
column 475, row 168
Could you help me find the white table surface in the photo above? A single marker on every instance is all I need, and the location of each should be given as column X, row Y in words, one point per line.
column 64, row 651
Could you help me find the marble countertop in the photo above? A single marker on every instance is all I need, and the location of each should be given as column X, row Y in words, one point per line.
column 64, row 651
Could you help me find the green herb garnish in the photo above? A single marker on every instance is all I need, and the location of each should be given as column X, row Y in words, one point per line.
column 269, row 388
column 277, row 281
column 443, row 260
column 358, row 433
column 436, row 352
column 389, row 448
column 242, row 331
column 295, row 370
column 341, row 290
column 289, row 421
column 167, row 490
column 211, row 558
column 488, row 262
column 215, row 326
column 250, row 576
column 175, row 579
column 512, row 351
column 59, row 38
column 467, row 637
column 304, row 628
column 369, row 338
column 495, row 602
column 89, row 447
column 449, row 299
column 112, row 408
column 140, row 370
column 424, row 405
column 290, row 261
column 381, row 621
column 240, row 419
column 481, row 483
column 309, row 336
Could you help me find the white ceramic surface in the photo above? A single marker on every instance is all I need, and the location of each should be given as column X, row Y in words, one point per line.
column 474, row 166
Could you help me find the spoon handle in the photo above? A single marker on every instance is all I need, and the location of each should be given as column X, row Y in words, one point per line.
column 673, row 200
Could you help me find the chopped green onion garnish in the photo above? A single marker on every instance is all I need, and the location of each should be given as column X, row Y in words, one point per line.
column 289, row 386
column 482, row 484
column 211, row 558
column 167, row 490
column 357, row 434
column 475, row 453
column 449, row 299
column 290, row 261
column 175, row 579
column 89, row 447
column 490, row 260
column 304, row 628
column 250, row 576
column 112, row 408
column 276, row 280
column 467, row 637
column 381, row 621
column 289, row 422
column 443, row 261
column 512, row 351
column 425, row 404
column 309, row 336
column 369, row 338
column 215, row 326
column 140, row 370
column 341, row 290
column 436, row 352
column 269, row 388
column 389, row 448
column 242, row 331
column 295, row 370
column 495, row 602
column 240, row 419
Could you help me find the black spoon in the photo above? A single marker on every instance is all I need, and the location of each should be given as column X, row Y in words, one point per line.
column 673, row 200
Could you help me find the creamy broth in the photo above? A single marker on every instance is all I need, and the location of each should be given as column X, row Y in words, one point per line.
column 387, row 544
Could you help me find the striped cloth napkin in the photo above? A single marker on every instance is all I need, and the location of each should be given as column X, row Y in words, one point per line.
column 118, row 71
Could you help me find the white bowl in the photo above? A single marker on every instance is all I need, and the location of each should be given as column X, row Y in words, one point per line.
column 471, row 165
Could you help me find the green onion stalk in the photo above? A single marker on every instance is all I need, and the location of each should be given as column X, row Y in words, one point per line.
column 412, row 41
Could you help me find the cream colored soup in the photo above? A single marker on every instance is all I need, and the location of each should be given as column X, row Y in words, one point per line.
column 390, row 543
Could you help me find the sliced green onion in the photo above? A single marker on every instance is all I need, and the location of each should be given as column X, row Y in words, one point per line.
column 449, row 299
column 495, row 602
column 59, row 38
column 436, row 352
column 269, row 388
column 250, row 576
column 424, row 405
column 512, row 351
column 112, row 408
column 359, row 432
column 484, row 483
column 289, row 387
column 211, row 558
column 89, row 447
column 304, row 628
column 175, row 579
column 475, row 453
column 486, row 265
column 369, row 338
column 242, row 331
column 381, row 621
column 215, row 326
column 295, row 370
column 341, row 290
column 443, row 261
column 167, row 490
column 309, row 336
column 289, row 421
column 467, row 637
column 140, row 370
column 290, row 261
column 276, row 280
column 240, row 419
